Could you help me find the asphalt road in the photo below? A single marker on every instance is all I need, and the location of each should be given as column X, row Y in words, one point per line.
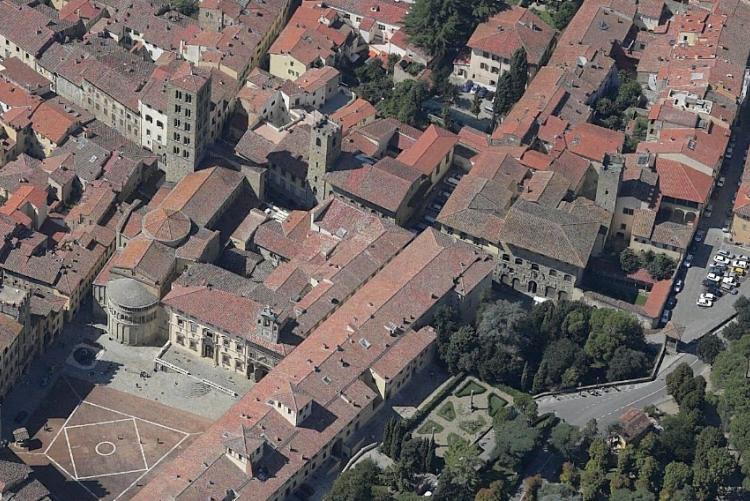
column 607, row 407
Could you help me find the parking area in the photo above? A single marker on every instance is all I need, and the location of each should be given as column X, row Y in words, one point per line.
column 714, row 237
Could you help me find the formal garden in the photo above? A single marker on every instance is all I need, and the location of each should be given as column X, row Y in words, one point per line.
column 464, row 414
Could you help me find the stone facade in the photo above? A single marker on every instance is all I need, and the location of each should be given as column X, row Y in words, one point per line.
column 233, row 353
column 188, row 117
column 537, row 275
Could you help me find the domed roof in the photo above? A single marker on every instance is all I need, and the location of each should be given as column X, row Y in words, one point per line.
column 168, row 226
column 129, row 293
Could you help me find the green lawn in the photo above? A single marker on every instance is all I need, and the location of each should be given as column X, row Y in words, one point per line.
column 472, row 426
column 447, row 411
column 545, row 16
column 496, row 403
column 429, row 427
column 453, row 438
column 470, row 387
column 640, row 300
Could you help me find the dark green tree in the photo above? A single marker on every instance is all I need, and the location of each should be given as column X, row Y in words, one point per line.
column 503, row 98
column 186, row 7
column 629, row 261
column 676, row 476
column 476, row 105
column 709, row 347
column 484, row 9
column 356, row 484
column 461, row 463
column 564, row 13
column 627, row 363
column 515, row 440
column 678, row 436
column 519, row 74
column 627, row 495
column 439, row 25
column 661, row 267
column 711, row 471
column 733, row 331
column 566, row 440
column 678, row 379
column 594, row 475
column 611, row 329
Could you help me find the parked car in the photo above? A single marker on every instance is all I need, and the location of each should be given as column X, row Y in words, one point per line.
column 704, row 303
column 708, row 210
column 466, row 87
column 678, row 285
column 729, row 280
column 713, row 277
column 715, row 291
column 481, row 92
column 666, row 316
column 725, row 253
column 699, row 235
column 742, row 257
column 729, row 288
column 710, row 296
column 721, row 181
column 688, row 262
column 717, row 268
column 721, row 259
column 738, row 263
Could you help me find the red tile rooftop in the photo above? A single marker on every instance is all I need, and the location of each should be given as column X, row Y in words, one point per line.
column 327, row 366
column 429, row 150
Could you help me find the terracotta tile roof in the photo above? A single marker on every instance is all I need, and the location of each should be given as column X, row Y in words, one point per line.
column 742, row 202
column 546, row 188
column 429, row 150
column 79, row 9
column 510, row 30
column 593, row 142
column 355, row 113
column 536, row 160
column 201, row 195
column 572, row 166
column 705, row 148
column 315, row 78
column 541, row 91
column 95, row 205
column 223, row 310
column 550, row 232
column 149, row 258
column 26, row 27
column 15, row 71
column 390, row 12
column 643, row 222
column 328, row 366
column 674, row 234
column 678, row 181
column 385, row 184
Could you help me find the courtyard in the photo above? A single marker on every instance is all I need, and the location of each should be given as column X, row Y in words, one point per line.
column 102, row 443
